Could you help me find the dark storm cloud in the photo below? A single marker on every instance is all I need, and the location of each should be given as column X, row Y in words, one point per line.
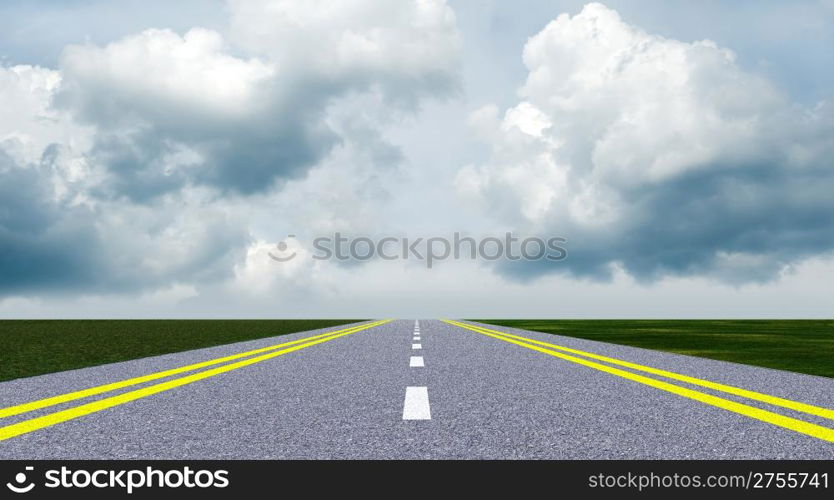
column 42, row 245
column 234, row 154
column 52, row 245
column 734, row 224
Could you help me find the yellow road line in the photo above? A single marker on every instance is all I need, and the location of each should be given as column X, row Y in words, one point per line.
column 51, row 419
column 92, row 391
column 757, row 396
column 793, row 424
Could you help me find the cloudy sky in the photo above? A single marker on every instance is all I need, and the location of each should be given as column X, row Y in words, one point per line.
column 153, row 154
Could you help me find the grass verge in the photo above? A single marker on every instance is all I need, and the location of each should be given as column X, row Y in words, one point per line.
column 803, row 346
column 35, row 347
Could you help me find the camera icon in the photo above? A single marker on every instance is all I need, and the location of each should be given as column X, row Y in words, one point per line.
column 20, row 478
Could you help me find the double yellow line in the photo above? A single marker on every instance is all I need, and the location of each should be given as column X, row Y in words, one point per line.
column 51, row 419
column 770, row 417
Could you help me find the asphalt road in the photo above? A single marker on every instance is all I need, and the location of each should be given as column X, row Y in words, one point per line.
column 461, row 394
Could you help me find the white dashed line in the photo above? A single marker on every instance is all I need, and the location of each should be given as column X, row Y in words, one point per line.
column 416, row 405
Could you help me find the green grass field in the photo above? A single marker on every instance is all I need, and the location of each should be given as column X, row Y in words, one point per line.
column 804, row 346
column 34, row 347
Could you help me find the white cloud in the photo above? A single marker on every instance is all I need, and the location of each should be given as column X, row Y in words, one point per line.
column 387, row 43
column 662, row 154
column 29, row 123
column 259, row 273
column 160, row 75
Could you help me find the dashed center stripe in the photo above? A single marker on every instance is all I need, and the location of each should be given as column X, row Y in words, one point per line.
column 416, row 405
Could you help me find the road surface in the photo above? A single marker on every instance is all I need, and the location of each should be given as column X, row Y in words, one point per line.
column 433, row 389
